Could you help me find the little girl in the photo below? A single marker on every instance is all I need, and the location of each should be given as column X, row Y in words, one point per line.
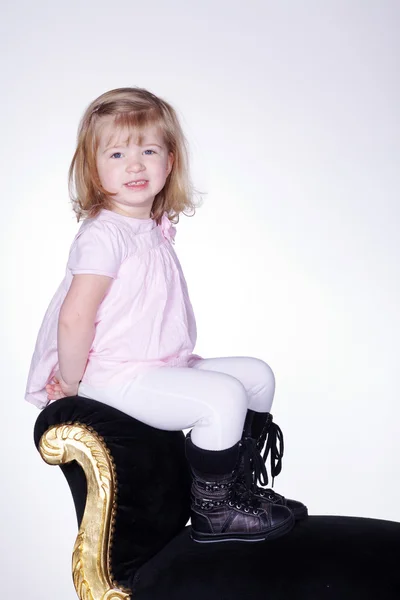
column 120, row 328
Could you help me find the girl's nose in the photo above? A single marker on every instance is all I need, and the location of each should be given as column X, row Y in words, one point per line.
column 136, row 166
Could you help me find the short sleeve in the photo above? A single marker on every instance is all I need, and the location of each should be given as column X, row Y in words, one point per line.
column 98, row 249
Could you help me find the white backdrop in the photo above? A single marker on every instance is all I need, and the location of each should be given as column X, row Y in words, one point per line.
column 292, row 114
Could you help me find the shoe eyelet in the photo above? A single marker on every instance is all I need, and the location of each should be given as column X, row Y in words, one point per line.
column 230, row 503
column 255, row 512
column 246, row 510
column 238, row 506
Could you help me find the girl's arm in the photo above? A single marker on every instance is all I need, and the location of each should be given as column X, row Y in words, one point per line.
column 76, row 324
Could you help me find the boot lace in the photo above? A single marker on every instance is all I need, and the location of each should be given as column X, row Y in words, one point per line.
column 272, row 437
column 243, row 501
column 254, row 468
column 254, row 463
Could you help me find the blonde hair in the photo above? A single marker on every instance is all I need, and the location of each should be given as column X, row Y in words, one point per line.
column 134, row 108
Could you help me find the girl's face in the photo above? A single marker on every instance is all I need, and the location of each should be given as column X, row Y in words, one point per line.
column 136, row 172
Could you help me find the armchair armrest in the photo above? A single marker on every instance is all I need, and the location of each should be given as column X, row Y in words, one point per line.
column 91, row 559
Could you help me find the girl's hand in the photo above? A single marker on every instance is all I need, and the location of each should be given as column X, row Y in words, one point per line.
column 60, row 389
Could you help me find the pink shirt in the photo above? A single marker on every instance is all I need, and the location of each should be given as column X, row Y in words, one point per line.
column 146, row 319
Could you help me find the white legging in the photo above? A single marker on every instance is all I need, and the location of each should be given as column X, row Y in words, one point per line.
column 212, row 397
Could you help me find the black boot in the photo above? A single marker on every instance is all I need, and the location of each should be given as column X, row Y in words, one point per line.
column 218, row 512
column 259, row 430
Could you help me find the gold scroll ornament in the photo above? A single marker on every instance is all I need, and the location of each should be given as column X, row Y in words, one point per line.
column 91, row 558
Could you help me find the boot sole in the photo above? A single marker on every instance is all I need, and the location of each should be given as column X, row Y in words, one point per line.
column 272, row 534
column 301, row 513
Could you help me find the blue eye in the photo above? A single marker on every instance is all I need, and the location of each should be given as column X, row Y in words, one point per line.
column 153, row 151
column 115, row 154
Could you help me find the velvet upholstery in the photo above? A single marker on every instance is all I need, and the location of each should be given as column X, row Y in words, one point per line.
column 152, row 472
column 322, row 558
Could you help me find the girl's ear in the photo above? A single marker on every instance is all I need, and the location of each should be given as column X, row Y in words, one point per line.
column 170, row 162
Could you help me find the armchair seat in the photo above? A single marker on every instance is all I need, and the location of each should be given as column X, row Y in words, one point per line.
column 323, row 557
column 131, row 488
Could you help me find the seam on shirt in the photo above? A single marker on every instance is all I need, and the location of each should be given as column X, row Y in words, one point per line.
column 147, row 251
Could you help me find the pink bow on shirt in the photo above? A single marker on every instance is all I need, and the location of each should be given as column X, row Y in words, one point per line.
column 168, row 230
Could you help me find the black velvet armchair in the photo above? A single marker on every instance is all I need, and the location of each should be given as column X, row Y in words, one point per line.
column 131, row 488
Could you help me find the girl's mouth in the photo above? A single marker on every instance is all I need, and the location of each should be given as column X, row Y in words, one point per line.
column 140, row 184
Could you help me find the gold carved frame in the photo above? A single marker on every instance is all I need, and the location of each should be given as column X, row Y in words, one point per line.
column 91, row 558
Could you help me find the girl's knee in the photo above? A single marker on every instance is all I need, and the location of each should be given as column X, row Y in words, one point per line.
column 230, row 397
column 265, row 373
column 262, row 392
column 225, row 412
